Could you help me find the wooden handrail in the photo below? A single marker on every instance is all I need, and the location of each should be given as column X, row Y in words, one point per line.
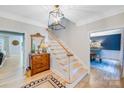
column 56, row 39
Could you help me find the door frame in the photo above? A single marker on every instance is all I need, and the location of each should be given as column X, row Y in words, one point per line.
column 122, row 46
column 23, row 36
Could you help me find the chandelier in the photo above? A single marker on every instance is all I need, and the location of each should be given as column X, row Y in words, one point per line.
column 55, row 19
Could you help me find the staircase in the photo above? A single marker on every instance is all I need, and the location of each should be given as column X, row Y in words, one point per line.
column 69, row 65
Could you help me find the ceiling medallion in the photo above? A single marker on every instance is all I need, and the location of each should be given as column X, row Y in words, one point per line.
column 55, row 19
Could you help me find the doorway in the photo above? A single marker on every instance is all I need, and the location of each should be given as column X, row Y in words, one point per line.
column 106, row 53
column 12, row 57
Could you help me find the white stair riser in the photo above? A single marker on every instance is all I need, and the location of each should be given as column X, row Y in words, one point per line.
column 66, row 68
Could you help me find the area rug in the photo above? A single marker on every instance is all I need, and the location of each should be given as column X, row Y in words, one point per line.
column 110, row 71
column 46, row 82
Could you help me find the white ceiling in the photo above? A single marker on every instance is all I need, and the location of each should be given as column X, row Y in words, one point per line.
column 38, row 14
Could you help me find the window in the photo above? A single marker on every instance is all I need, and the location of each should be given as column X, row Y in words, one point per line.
column 1, row 44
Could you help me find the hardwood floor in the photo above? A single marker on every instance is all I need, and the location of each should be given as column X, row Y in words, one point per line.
column 11, row 71
column 19, row 81
column 111, row 68
column 96, row 80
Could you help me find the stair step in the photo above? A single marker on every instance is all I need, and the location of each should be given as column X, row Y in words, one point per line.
column 53, row 41
column 54, row 44
column 59, row 53
column 73, row 66
column 65, row 62
column 62, row 62
column 76, row 65
column 75, row 76
column 57, row 48
column 61, row 57
column 67, row 58
column 73, row 59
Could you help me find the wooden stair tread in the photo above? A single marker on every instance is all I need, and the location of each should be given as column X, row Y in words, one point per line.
column 64, row 62
column 56, row 48
column 61, row 57
column 53, row 41
column 58, row 53
column 54, row 44
column 74, row 66
column 78, row 74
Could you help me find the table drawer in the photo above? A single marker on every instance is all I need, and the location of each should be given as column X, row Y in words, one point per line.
column 35, row 71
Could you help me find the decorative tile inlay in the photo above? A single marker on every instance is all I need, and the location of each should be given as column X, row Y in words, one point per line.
column 53, row 81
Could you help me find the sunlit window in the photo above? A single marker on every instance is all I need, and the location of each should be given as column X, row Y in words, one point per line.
column 1, row 44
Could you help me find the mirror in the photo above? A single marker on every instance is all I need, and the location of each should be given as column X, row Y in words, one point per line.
column 36, row 42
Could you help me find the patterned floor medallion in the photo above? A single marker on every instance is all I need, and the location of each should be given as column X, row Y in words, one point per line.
column 48, row 82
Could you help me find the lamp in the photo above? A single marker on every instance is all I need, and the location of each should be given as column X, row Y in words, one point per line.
column 55, row 17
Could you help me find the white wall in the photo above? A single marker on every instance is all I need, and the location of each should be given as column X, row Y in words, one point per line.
column 77, row 37
column 15, row 26
column 111, row 54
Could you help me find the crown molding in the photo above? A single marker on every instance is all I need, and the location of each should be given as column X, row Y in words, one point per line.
column 39, row 24
column 21, row 19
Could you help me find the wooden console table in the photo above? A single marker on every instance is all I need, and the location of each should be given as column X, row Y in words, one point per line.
column 39, row 62
column 95, row 54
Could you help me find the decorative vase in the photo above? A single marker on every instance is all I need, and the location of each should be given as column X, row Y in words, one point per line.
column 44, row 50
